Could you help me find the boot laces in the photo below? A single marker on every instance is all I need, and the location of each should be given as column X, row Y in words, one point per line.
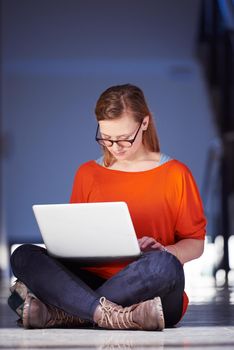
column 113, row 315
column 60, row 317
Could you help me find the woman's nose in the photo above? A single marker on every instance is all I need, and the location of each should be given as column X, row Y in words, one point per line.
column 116, row 147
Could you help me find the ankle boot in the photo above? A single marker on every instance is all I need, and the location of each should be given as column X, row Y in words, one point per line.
column 147, row 315
column 20, row 288
column 18, row 295
column 36, row 314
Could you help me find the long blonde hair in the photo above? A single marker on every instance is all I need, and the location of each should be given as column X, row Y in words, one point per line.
column 118, row 99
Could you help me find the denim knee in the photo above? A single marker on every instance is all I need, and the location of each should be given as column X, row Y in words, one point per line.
column 167, row 266
column 20, row 258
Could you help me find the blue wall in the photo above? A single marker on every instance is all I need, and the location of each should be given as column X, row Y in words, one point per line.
column 58, row 56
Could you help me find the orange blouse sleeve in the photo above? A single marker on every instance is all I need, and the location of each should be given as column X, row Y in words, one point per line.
column 77, row 195
column 191, row 221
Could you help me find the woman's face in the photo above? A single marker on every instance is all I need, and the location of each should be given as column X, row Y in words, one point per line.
column 123, row 128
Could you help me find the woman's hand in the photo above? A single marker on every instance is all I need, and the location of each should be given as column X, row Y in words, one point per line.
column 149, row 243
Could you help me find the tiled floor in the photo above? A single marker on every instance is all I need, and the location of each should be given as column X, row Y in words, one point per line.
column 207, row 324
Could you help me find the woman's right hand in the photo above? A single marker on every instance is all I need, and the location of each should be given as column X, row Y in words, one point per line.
column 147, row 244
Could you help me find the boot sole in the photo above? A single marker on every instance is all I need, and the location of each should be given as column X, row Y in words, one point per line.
column 159, row 313
column 26, row 312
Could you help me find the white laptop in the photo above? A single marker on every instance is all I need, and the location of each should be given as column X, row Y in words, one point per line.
column 88, row 231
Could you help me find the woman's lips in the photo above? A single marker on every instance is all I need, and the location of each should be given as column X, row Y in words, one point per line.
column 119, row 153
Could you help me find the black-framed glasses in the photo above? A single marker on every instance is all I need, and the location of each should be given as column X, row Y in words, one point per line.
column 122, row 143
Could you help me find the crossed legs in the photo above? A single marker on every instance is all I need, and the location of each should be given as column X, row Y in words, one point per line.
column 66, row 286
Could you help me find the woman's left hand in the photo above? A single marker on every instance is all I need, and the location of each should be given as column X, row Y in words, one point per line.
column 149, row 243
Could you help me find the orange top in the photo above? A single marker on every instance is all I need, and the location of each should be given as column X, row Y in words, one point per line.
column 163, row 202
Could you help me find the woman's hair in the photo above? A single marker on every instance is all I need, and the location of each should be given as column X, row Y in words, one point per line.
column 118, row 99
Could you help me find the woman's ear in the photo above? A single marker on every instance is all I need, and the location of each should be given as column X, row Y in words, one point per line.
column 145, row 122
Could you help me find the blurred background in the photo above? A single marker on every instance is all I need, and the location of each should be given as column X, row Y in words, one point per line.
column 57, row 57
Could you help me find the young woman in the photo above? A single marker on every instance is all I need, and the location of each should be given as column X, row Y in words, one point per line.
column 168, row 217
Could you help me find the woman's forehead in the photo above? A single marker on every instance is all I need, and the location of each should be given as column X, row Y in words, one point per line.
column 117, row 127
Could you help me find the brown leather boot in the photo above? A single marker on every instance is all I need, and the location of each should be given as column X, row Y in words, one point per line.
column 18, row 295
column 147, row 315
column 19, row 288
column 38, row 315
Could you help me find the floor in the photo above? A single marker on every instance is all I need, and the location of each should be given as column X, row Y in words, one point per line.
column 209, row 322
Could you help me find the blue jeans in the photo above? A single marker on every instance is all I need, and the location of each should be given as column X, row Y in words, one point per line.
column 65, row 285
